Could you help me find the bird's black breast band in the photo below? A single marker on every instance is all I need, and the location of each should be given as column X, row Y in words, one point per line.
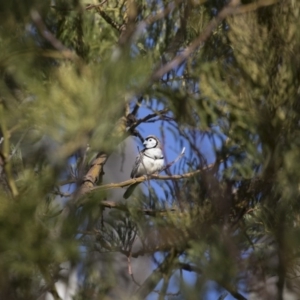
column 154, row 158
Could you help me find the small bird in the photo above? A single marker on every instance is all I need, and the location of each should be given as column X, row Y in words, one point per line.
column 149, row 161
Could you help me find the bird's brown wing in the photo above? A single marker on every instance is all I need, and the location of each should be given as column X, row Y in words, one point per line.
column 137, row 162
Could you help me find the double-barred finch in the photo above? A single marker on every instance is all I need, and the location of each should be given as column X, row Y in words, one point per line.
column 149, row 161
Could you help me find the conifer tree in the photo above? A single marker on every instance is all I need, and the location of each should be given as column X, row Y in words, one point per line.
column 75, row 79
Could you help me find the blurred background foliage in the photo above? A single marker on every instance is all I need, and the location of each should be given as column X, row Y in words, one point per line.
column 70, row 71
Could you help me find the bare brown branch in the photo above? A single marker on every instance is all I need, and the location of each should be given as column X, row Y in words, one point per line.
column 93, row 175
column 153, row 176
column 95, row 172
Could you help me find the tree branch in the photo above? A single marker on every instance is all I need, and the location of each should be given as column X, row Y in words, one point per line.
column 95, row 172
column 137, row 105
column 153, row 176
column 108, row 19
column 148, row 117
column 93, row 175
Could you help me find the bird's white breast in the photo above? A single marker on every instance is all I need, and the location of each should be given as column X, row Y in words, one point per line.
column 152, row 162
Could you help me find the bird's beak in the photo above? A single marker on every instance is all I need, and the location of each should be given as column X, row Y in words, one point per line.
column 144, row 143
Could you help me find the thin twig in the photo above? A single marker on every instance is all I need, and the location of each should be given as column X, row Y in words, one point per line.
column 148, row 117
column 155, row 17
column 137, row 105
column 108, row 19
column 91, row 6
column 193, row 268
column 136, row 133
column 130, row 272
column 174, row 161
column 150, row 283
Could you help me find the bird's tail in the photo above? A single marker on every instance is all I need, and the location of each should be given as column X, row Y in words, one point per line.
column 130, row 190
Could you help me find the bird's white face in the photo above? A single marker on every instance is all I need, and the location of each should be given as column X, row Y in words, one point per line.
column 150, row 143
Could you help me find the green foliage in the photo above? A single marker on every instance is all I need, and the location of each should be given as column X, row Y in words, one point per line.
column 69, row 71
